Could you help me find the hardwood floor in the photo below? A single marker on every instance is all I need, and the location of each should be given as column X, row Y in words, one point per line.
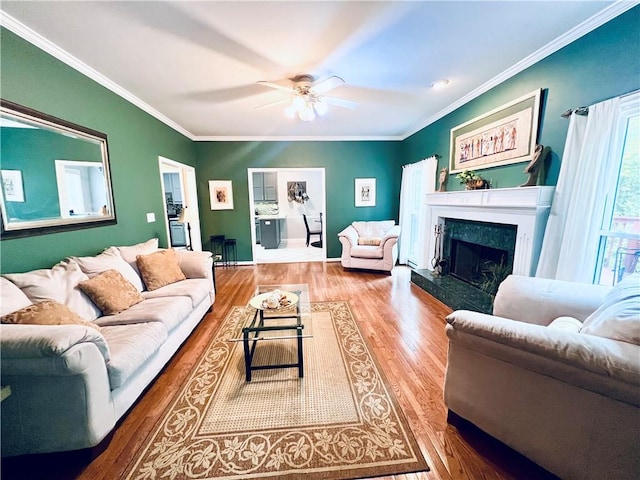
column 404, row 327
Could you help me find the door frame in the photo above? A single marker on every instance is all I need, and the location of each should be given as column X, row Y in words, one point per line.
column 252, row 215
column 187, row 175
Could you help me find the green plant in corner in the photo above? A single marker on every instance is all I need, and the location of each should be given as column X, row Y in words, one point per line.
column 493, row 275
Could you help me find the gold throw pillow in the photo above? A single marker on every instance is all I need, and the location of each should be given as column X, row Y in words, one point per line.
column 111, row 292
column 46, row 313
column 160, row 268
column 369, row 241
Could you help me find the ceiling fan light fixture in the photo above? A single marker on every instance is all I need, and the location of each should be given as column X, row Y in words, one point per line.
column 306, row 113
column 321, row 106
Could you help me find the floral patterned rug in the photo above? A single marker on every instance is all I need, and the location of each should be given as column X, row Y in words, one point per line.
column 340, row 421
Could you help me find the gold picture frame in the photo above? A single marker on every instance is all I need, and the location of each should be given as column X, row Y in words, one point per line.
column 221, row 194
column 505, row 135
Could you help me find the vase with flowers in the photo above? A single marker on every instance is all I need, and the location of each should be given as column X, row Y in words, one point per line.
column 471, row 180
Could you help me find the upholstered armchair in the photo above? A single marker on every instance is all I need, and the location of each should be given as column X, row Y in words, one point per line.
column 370, row 245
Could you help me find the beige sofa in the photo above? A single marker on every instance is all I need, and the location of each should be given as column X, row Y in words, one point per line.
column 565, row 392
column 71, row 383
column 370, row 245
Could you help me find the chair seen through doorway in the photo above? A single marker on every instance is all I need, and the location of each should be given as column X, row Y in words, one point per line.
column 313, row 232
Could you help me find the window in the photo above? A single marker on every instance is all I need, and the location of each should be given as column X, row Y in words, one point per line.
column 619, row 246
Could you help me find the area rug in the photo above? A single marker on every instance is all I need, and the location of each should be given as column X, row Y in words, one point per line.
column 340, row 421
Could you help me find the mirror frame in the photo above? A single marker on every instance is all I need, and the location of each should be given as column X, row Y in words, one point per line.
column 53, row 225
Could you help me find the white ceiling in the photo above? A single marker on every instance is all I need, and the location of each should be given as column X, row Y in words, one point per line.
column 195, row 64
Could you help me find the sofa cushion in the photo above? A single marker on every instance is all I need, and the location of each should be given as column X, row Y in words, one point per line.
column 195, row 288
column 48, row 312
column 60, row 284
column 130, row 253
column 159, row 269
column 111, row 292
column 37, row 341
column 367, row 251
column 130, row 347
column 110, row 259
column 194, row 264
column 373, row 229
column 618, row 317
column 168, row 310
column 11, row 297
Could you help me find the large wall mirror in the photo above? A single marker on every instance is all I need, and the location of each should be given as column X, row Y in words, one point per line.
column 54, row 174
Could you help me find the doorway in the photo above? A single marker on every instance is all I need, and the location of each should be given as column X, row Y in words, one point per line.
column 180, row 200
column 278, row 199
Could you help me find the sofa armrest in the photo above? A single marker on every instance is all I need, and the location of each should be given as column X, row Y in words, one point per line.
column 541, row 300
column 45, row 341
column 195, row 264
column 350, row 235
column 566, row 355
column 391, row 235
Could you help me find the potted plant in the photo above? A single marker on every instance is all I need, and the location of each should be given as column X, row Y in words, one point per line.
column 471, row 180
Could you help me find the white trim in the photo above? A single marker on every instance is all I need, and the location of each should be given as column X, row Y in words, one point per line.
column 307, row 138
column 595, row 21
column 52, row 49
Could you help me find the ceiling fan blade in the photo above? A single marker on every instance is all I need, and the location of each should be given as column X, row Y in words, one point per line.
column 276, row 86
column 341, row 102
column 273, row 104
column 327, row 84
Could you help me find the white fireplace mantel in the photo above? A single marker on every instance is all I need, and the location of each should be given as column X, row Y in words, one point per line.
column 525, row 207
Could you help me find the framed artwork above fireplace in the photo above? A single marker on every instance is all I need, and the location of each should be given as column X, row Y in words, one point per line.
column 505, row 135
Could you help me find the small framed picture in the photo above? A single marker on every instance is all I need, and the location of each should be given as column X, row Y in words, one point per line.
column 365, row 192
column 221, row 194
column 12, row 185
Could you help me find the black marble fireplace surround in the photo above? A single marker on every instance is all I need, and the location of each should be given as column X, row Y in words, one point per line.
column 474, row 251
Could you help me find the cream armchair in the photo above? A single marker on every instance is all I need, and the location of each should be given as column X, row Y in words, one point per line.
column 370, row 245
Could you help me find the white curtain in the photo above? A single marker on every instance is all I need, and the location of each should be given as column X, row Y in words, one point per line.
column 570, row 245
column 418, row 179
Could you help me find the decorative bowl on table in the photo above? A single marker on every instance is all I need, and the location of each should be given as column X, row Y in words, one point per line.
column 274, row 300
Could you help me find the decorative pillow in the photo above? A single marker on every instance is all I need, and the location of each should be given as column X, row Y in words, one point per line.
column 111, row 292
column 194, row 264
column 46, row 313
column 130, row 253
column 618, row 317
column 110, row 259
column 568, row 324
column 160, row 268
column 60, row 284
column 370, row 241
column 11, row 297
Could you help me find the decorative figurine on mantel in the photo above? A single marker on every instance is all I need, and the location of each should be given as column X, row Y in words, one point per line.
column 444, row 173
column 536, row 165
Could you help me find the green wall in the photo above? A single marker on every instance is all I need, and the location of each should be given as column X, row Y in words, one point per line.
column 34, row 152
column 602, row 64
column 33, row 78
column 342, row 161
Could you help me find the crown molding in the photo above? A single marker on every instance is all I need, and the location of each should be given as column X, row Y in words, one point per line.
column 595, row 21
column 52, row 49
column 300, row 138
column 600, row 18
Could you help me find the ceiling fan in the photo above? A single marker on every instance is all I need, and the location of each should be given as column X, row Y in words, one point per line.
column 309, row 99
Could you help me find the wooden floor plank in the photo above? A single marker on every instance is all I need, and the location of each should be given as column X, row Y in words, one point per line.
column 404, row 327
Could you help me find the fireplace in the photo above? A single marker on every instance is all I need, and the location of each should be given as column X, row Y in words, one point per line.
column 479, row 253
column 506, row 219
